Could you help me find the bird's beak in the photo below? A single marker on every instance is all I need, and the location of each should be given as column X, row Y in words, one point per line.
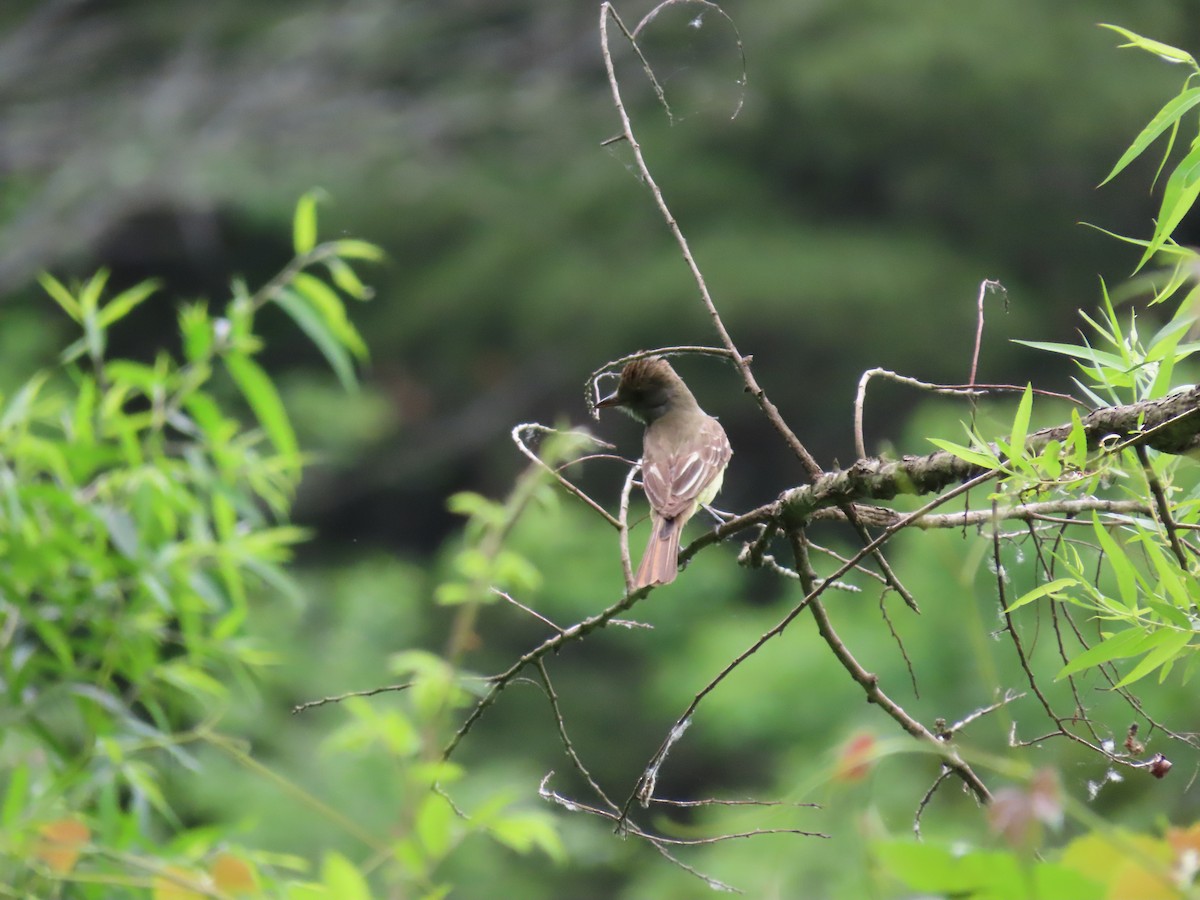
column 608, row 402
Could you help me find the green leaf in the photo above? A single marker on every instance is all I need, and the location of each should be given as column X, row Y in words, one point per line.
column 1159, row 49
column 1164, row 646
column 18, row 407
column 61, row 296
column 1042, row 590
column 1088, row 354
column 343, row 879
column 1050, row 459
column 527, row 831
column 332, row 311
column 1178, row 198
column 1122, row 567
column 313, row 325
column 304, row 224
column 1020, row 426
column 346, row 279
column 434, row 825
column 349, row 248
column 122, row 304
column 1170, row 114
column 89, row 294
column 260, row 393
column 1123, row 644
column 16, row 798
column 966, row 454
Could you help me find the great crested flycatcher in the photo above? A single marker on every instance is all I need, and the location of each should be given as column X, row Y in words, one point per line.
column 684, row 455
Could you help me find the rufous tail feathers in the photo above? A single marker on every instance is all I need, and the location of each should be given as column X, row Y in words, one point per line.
column 660, row 562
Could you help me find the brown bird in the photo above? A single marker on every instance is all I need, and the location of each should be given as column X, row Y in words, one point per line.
column 684, row 455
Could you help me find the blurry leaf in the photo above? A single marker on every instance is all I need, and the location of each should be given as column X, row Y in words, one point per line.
column 233, row 875
column 528, row 831
column 19, row 406
column 60, row 844
column 89, row 294
column 260, row 393
column 514, row 572
column 191, row 680
column 1128, row 865
column 434, row 821
column 61, row 295
column 15, row 797
column 304, row 224
column 122, row 531
column 921, row 866
column 332, row 310
column 452, row 592
column 177, row 884
column 54, row 639
column 122, row 304
column 469, row 503
column 313, row 325
column 856, row 758
column 197, row 331
column 346, row 279
column 349, row 248
column 343, row 879
column 85, row 411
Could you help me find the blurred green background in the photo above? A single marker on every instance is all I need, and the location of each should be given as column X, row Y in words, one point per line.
column 886, row 159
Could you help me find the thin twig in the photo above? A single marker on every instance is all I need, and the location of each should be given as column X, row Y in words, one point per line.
column 518, row 436
column 870, row 684
column 1163, row 508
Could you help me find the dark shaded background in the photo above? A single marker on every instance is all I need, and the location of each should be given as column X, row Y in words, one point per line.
column 886, row 159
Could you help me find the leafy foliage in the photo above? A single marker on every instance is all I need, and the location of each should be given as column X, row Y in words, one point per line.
column 140, row 521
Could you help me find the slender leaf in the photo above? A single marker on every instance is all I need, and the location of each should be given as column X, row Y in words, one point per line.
column 1178, row 198
column 1167, row 646
column 304, row 224
column 1042, row 590
column 122, row 304
column 346, row 279
column 1123, row 644
column 89, row 294
column 260, row 393
column 329, row 306
column 1170, row 114
column 1122, row 567
column 1020, row 427
column 58, row 291
column 313, row 325
column 966, row 454
column 349, row 248
column 1159, row 49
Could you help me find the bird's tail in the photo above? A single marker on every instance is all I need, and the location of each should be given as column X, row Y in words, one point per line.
column 660, row 562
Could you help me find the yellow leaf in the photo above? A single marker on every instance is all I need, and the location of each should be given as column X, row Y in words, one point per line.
column 61, row 842
column 176, row 884
column 232, row 874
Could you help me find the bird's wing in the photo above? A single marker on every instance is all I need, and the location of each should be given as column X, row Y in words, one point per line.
column 674, row 477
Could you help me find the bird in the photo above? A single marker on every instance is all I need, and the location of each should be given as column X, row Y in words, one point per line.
column 684, row 455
